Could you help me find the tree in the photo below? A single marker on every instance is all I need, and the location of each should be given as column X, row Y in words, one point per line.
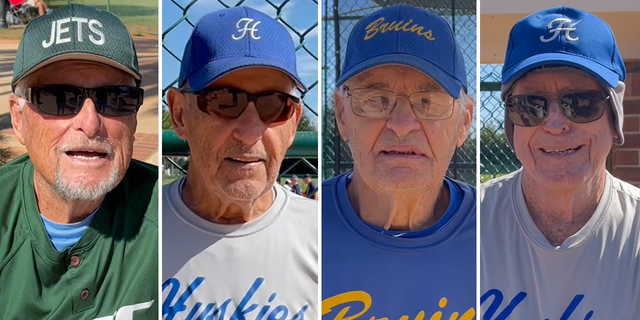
column 496, row 155
column 306, row 124
column 5, row 153
column 166, row 120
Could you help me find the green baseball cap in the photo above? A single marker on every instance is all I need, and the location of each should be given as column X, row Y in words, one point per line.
column 75, row 32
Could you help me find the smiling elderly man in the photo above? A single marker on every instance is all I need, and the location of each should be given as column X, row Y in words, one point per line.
column 78, row 217
column 561, row 236
column 398, row 236
column 235, row 243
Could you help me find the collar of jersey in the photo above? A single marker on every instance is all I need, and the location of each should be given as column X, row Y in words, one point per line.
column 444, row 230
column 179, row 208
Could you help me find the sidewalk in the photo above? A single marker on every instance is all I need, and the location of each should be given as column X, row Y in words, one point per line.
column 145, row 147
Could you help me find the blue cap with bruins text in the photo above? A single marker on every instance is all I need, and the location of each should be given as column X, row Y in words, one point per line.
column 232, row 39
column 407, row 36
column 76, row 32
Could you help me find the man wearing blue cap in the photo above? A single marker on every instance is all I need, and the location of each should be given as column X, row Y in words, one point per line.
column 398, row 236
column 561, row 236
column 236, row 244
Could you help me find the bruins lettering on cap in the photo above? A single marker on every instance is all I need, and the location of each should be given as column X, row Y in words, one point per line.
column 62, row 31
column 378, row 26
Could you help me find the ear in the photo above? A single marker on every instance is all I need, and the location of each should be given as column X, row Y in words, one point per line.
column 17, row 117
column 338, row 103
column 296, row 120
column 177, row 102
column 467, row 119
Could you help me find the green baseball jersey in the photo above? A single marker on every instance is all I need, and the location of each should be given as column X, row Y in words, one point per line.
column 110, row 273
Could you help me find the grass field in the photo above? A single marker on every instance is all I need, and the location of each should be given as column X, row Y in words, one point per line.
column 141, row 16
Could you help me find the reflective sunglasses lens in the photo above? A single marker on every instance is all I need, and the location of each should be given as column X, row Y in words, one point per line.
column 527, row 110
column 583, row 107
column 222, row 103
column 118, row 101
column 60, row 101
column 274, row 108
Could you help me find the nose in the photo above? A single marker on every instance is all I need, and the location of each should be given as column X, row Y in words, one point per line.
column 556, row 121
column 249, row 128
column 88, row 120
column 402, row 120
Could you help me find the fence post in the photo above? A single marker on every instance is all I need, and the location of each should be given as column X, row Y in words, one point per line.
column 3, row 14
column 336, row 134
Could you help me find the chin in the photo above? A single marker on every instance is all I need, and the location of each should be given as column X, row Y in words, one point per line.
column 244, row 189
column 401, row 178
column 567, row 179
column 84, row 188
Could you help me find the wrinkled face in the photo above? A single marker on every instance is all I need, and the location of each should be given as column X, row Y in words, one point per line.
column 559, row 153
column 239, row 158
column 84, row 156
column 400, row 151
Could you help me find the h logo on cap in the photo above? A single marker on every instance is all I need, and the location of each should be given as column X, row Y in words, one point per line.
column 560, row 28
column 242, row 31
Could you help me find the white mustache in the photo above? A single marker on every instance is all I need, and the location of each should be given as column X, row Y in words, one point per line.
column 87, row 144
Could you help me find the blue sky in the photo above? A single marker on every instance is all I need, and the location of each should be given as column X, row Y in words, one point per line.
column 299, row 14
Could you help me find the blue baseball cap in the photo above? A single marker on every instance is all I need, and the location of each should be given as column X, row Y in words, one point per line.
column 563, row 36
column 236, row 38
column 408, row 36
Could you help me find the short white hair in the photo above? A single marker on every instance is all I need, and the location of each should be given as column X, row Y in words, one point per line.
column 464, row 99
column 20, row 91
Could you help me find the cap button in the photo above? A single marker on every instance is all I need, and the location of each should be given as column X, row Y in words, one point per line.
column 85, row 294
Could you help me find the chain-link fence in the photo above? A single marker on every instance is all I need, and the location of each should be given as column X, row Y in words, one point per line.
column 301, row 20
column 339, row 17
column 496, row 156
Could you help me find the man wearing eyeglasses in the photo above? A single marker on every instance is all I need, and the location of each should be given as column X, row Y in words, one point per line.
column 236, row 244
column 561, row 236
column 398, row 236
column 78, row 216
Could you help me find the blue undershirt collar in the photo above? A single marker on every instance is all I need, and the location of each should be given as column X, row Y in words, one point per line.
column 64, row 236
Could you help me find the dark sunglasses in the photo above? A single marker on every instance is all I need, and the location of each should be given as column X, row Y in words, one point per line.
column 66, row 100
column 230, row 103
column 529, row 110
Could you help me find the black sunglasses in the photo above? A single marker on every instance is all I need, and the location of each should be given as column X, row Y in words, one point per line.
column 529, row 110
column 230, row 103
column 66, row 100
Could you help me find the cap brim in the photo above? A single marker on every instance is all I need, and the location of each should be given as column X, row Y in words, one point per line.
column 84, row 57
column 593, row 68
column 218, row 68
column 451, row 85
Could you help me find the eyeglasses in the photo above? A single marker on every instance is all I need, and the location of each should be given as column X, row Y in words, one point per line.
column 378, row 103
column 67, row 100
column 230, row 103
column 529, row 110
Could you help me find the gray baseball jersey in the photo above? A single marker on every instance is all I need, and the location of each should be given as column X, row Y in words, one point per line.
column 265, row 269
column 594, row 274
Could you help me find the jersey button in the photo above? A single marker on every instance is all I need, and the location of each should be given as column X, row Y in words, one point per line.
column 85, row 294
column 74, row 261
